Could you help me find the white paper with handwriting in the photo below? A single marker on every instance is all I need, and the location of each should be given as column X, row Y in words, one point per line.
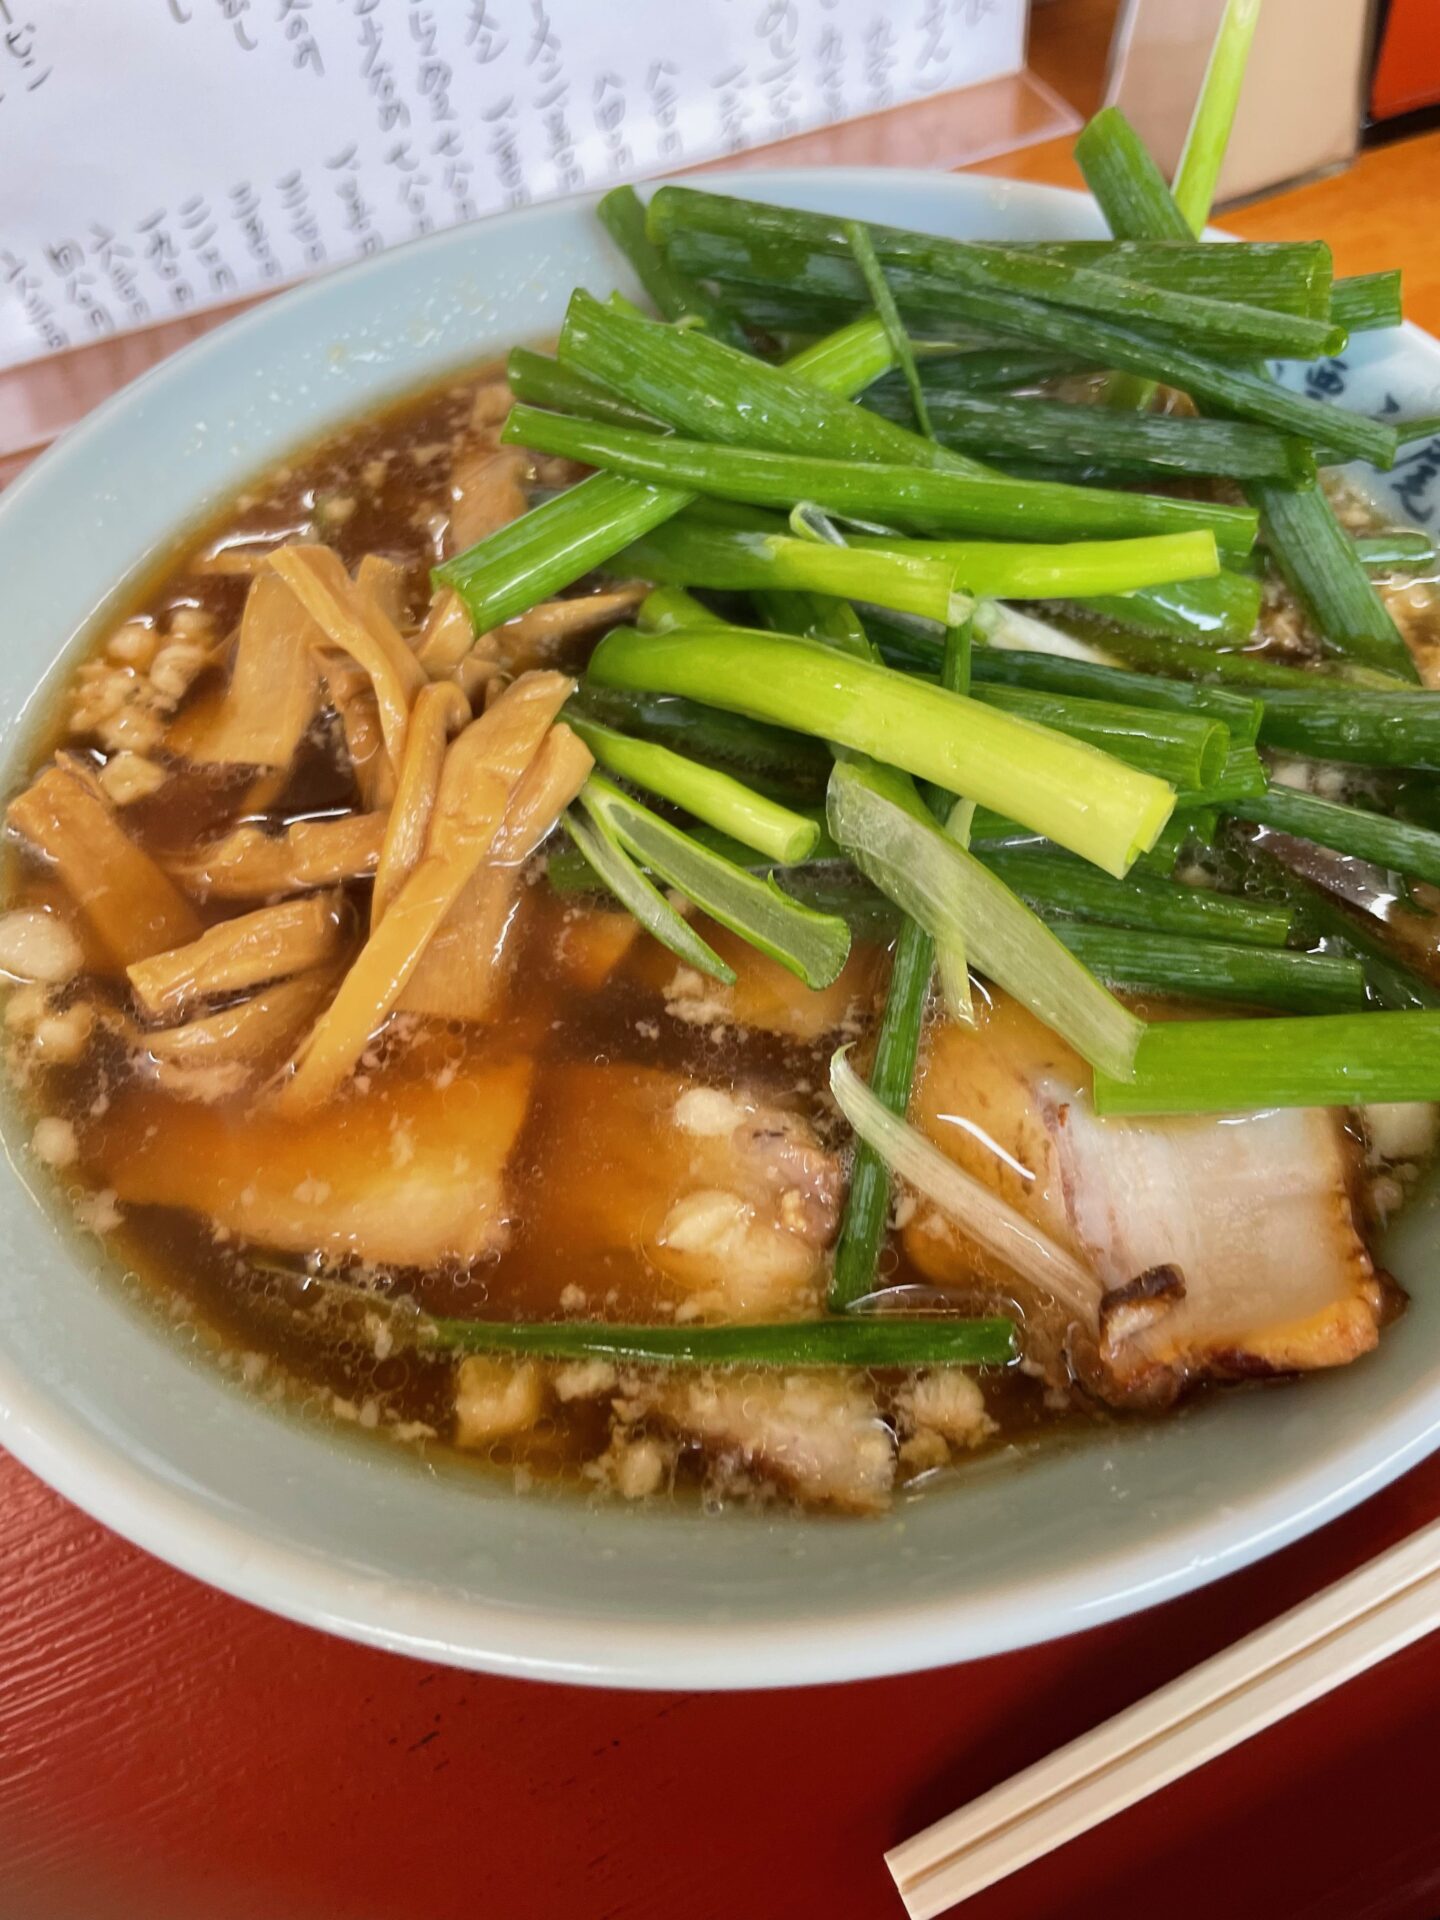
column 158, row 156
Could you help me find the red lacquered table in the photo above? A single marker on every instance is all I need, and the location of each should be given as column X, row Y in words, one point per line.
column 169, row 1754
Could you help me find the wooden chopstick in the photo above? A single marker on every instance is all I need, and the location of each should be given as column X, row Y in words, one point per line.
column 1361, row 1620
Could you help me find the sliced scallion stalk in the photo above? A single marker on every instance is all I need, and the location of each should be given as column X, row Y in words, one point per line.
column 985, row 1215
column 813, row 946
column 613, row 867
column 1168, row 963
column 860, row 1340
column 900, row 496
column 1350, row 830
column 1324, row 1060
column 686, row 554
column 712, row 796
column 874, row 276
column 949, row 891
column 1082, row 799
column 676, row 295
column 1075, row 569
column 1053, row 884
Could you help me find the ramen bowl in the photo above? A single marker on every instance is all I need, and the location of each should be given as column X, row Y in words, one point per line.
column 131, row 1421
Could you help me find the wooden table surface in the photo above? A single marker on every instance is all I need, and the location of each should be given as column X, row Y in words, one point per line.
column 170, row 1754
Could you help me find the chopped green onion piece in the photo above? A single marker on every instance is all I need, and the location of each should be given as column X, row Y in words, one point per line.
column 780, row 761
column 1053, row 884
column 948, row 270
column 1167, row 963
column 949, row 892
column 985, row 1215
column 700, row 388
column 1102, row 441
column 552, row 545
column 686, row 554
column 1350, row 830
column 1234, row 1066
column 867, row 1204
column 1075, row 569
column 610, row 863
column 874, row 275
column 1223, row 608
column 666, row 607
column 716, row 798
column 1214, row 114
column 1008, row 666
column 813, row 946
column 877, row 1339
column 537, row 380
column 1365, row 302
column 1103, row 810
column 1337, row 722
column 1318, row 561
column 1190, row 750
column 675, row 294
column 927, row 499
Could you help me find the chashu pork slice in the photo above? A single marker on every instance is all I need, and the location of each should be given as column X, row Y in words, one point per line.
column 411, row 1173
column 1222, row 1247
column 673, row 1192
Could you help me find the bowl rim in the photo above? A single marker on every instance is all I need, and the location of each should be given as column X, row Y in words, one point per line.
column 161, row 1517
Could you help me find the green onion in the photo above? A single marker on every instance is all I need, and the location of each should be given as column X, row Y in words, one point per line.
column 1214, row 114
column 971, row 370
column 720, row 237
column 957, row 268
column 1124, row 179
column 1398, row 547
column 861, row 1340
column 674, row 293
column 688, row 555
column 1212, row 970
column 552, row 545
column 700, row 388
column 1099, row 439
column 884, row 301
column 1074, row 569
column 1364, row 302
column 897, row 1044
column 773, row 757
column 603, row 853
column 1318, row 562
column 916, row 496
column 1225, row 607
column 711, row 796
column 1010, row 667
column 1351, row 723
column 1227, row 1066
column 986, row 1218
column 863, row 908
column 666, row 607
column 1242, row 776
column 539, row 381
column 1187, row 749
column 846, row 361
column 813, row 946
column 1350, row 830
column 814, row 614
column 1101, row 809
column 1310, row 547
column 1053, row 884
column 950, row 892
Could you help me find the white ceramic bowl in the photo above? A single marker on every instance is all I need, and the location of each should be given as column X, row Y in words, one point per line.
column 111, row 1408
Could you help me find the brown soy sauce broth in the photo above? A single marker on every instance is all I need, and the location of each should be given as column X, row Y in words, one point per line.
column 383, row 486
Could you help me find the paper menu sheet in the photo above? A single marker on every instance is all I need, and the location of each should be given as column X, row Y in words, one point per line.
column 160, row 156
